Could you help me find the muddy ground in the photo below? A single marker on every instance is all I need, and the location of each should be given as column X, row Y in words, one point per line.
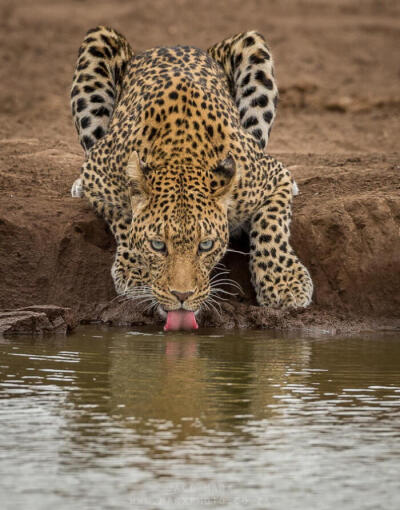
column 337, row 127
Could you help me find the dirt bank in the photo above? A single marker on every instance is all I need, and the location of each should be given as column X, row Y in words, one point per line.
column 337, row 128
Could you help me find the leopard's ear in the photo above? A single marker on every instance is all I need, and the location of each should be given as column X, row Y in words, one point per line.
column 223, row 177
column 137, row 173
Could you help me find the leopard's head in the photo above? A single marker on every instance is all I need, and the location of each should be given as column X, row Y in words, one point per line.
column 179, row 232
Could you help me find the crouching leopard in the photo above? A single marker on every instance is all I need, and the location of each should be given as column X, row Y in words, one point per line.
column 175, row 141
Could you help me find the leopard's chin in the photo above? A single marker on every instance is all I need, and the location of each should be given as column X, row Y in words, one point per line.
column 163, row 313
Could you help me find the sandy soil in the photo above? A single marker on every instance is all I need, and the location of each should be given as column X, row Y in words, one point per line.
column 337, row 128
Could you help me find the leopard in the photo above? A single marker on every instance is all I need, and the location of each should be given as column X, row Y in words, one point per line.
column 175, row 143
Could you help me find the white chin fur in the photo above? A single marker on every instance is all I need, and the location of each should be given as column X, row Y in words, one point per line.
column 163, row 313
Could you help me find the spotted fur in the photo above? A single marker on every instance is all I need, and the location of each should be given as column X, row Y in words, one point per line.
column 179, row 163
column 248, row 64
column 96, row 85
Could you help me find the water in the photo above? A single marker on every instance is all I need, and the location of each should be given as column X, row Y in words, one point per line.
column 144, row 420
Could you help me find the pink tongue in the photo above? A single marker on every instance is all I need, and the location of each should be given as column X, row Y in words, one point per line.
column 180, row 319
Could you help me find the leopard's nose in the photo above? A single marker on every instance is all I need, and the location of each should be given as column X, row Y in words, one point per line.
column 182, row 296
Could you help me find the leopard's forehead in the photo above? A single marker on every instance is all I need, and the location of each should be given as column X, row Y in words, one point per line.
column 185, row 218
column 180, row 182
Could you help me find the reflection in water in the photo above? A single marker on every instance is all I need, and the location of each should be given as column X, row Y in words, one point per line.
column 122, row 419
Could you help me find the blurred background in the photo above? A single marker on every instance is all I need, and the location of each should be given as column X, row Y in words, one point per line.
column 333, row 57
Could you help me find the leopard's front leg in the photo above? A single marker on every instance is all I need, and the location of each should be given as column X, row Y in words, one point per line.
column 128, row 272
column 278, row 276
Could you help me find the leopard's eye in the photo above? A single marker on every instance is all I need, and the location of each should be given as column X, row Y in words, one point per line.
column 158, row 245
column 206, row 245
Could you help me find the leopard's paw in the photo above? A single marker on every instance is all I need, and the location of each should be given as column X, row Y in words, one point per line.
column 289, row 288
column 77, row 189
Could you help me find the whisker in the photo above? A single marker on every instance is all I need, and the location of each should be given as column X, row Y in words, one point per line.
column 220, row 298
column 227, row 281
column 140, row 287
column 130, row 292
column 135, row 290
column 215, row 304
column 237, row 251
column 139, row 294
column 217, row 290
column 122, row 297
column 139, row 291
column 220, row 265
column 142, row 301
column 152, row 305
column 215, row 310
column 212, row 299
column 205, row 305
column 222, row 273
column 223, row 278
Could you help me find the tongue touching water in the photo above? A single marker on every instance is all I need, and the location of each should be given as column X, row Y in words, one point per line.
column 208, row 419
column 180, row 320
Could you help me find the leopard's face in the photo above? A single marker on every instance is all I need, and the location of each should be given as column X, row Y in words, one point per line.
column 179, row 252
column 177, row 235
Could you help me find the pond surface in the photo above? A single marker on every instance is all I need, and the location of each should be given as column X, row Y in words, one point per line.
column 111, row 418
